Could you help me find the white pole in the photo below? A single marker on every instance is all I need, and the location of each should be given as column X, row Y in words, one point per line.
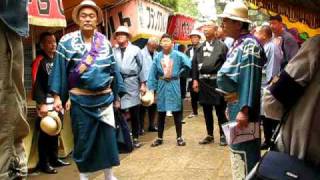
column 33, row 39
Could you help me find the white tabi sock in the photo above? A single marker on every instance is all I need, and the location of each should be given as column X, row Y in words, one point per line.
column 84, row 176
column 108, row 175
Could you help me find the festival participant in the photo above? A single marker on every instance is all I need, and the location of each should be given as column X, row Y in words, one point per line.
column 270, row 69
column 195, row 37
column 85, row 70
column 240, row 78
column 47, row 144
column 148, row 53
column 133, row 71
column 205, row 65
column 286, row 41
column 164, row 80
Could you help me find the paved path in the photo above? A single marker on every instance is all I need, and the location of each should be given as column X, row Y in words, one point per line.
column 170, row 162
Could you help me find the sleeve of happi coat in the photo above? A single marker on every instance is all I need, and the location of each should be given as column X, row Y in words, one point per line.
column 152, row 82
column 143, row 67
column 58, row 83
column 118, row 87
column 185, row 62
column 249, row 82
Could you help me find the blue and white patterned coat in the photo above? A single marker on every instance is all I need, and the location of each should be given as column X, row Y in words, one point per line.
column 168, row 92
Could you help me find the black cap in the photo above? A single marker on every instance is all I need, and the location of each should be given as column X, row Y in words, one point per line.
column 276, row 17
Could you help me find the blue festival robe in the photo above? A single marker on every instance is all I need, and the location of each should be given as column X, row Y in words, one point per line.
column 168, row 91
column 95, row 145
column 241, row 74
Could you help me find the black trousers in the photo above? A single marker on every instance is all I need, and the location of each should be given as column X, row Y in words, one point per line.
column 194, row 98
column 194, row 101
column 151, row 115
column 47, row 146
column 208, row 116
column 269, row 126
column 135, row 118
column 177, row 116
column 183, row 87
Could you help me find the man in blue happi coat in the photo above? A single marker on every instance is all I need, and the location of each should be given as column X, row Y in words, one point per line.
column 86, row 72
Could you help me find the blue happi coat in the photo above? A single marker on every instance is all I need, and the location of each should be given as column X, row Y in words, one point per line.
column 241, row 74
column 168, row 91
column 95, row 145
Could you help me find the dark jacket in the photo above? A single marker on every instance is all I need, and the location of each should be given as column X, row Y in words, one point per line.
column 40, row 88
column 208, row 65
column 188, row 53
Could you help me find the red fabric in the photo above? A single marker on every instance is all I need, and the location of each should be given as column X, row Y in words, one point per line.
column 35, row 66
column 180, row 27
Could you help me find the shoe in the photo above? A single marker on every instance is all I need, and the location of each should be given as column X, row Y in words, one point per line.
column 59, row 163
column 180, row 142
column 169, row 114
column 183, row 122
column 141, row 132
column 223, row 141
column 48, row 169
column 157, row 142
column 153, row 129
column 264, row 146
column 136, row 143
column 207, row 140
column 192, row 115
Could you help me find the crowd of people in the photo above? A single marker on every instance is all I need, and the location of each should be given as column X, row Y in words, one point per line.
column 248, row 75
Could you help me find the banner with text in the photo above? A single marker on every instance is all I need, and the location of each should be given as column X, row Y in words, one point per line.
column 144, row 18
column 180, row 27
column 46, row 13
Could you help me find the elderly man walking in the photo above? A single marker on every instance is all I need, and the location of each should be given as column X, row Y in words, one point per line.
column 132, row 69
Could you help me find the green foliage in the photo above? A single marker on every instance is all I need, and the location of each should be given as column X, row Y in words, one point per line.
column 187, row 7
column 169, row 3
